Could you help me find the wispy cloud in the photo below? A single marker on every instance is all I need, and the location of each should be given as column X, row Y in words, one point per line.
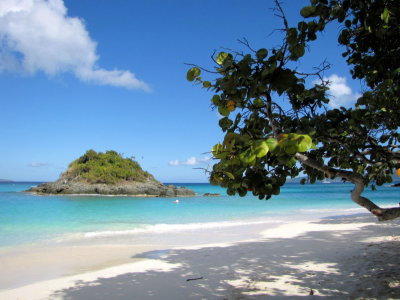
column 192, row 161
column 38, row 164
column 340, row 92
column 38, row 35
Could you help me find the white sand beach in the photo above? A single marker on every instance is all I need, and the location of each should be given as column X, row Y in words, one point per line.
column 351, row 257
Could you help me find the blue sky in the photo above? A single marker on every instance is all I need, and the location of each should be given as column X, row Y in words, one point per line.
column 110, row 75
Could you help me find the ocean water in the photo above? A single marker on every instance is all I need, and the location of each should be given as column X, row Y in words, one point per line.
column 27, row 219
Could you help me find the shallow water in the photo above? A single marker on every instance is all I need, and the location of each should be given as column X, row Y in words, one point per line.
column 30, row 219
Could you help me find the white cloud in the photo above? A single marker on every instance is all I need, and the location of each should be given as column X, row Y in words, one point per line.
column 38, row 164
column 174, row 163
column 192, row 161
column 38, row 35
column 340, row 93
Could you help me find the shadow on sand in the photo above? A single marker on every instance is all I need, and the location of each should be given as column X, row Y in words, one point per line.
column 331, row 264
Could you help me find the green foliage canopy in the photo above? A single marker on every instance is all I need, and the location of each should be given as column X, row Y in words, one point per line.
column 108, row 167
column 265, row 142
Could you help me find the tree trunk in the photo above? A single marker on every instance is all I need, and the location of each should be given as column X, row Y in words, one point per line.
column 383, row 214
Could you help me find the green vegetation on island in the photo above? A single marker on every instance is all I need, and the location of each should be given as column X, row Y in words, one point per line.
column 108, row 167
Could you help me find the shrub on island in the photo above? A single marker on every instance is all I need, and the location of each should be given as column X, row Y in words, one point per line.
column 108, row 167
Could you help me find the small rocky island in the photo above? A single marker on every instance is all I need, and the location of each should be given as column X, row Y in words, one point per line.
column 108, row 174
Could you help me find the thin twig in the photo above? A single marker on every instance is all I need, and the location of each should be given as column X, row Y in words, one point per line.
column 246, row 43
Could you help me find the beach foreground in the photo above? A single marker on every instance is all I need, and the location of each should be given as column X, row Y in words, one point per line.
column 349, row 257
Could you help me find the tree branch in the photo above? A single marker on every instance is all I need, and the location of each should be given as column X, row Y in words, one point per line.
column 269, row 113
column 383, row 214
column 246, row 43
column 282, row 14
column 201, row 68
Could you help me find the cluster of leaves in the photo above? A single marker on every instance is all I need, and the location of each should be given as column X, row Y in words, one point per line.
column 241, row 156
column 109, row 168
column 252, row 156
column 254, row 90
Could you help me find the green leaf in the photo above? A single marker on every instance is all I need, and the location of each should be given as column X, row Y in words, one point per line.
column 291, row 36
column 268, row 70
column 230, row 192
column 307, row 11
column 344, row 37
column 276, row 190
column 262, row 53
column 272, row 143
column 290, row 147
column 219, row 152
column 206, row 84
column 297, row 51
column 304, row 143
column 258, row 103
column 223, row 111
column 193, row 73
column 216, row 100
column 302, row 26
column 247, row 156
column 260, row 148
column 294, row 142
column 242, row 192
column 221, row 57
column 291, row 162
column 385, row 15
column 225, row 123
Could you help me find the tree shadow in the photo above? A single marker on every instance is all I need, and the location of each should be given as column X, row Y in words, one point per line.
column 331, row 264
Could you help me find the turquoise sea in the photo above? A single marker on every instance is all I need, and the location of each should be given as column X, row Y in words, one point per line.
column 27, row 219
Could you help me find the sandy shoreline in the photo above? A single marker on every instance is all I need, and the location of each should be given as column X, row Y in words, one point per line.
column 334, row 258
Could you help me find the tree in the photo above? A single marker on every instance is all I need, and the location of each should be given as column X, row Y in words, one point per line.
column 277, row 126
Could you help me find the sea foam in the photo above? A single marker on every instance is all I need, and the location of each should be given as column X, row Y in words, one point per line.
column 170, row 228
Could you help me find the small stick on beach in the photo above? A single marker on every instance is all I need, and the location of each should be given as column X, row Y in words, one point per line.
column 190, row 279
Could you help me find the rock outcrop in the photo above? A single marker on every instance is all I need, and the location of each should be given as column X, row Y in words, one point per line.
column 139, row 189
